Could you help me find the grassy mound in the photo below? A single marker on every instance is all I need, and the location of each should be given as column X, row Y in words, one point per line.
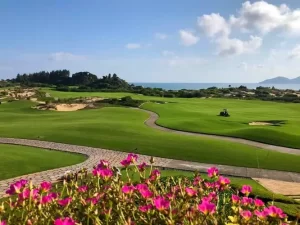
column 19, row 160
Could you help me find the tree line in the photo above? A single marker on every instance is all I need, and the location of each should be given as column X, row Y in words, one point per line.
column 88, row 82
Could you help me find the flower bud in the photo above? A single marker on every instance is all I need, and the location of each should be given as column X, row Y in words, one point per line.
column 152, row 160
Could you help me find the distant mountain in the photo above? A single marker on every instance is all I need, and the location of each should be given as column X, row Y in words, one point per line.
column 281, row 80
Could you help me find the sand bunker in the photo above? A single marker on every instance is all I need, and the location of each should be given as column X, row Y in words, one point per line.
column 260, row 124
column 36, row 100
column 61, row 107
column 69, row 107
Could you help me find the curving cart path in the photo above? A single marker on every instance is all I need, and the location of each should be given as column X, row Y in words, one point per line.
column 151, row 122
column 94, row 155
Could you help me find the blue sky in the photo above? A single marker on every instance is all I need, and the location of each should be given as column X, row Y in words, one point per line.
column 153, row 41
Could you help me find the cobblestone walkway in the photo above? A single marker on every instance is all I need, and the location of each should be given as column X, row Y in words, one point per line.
column 95, row 154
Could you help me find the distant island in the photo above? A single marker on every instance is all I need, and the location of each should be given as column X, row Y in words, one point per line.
column 281, row 80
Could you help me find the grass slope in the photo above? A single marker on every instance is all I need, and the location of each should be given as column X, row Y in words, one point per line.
column 200, row 115
column 19, row 160
column 123, row 129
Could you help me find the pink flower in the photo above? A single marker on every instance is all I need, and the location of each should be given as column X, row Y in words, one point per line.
column 207, row 208
column 197, row 179
column 64, row 202
column 45, row 186
column 103, row 173
column 258, row 203
column 273, row 211
column 93, row 201
column 83, row 188
column 190, row 191
column 128, row 189
column 25, row 194
column 212, row 195
column 246, row 214
column 261, row 215
column 144, row 190
column 154, row 175
column 246, row 201
column 3, row 223
column 132, row 157
column 213, row 172
column 145, row 208
column 103, row 164
column 64, row 221
column 235, row 199
column 46, row 199
column 223, row 181
column 246, row 190
column 16, row 187
column 170, row 196
column 161, row 203
column 142, row 167
column 125, row 162
column 53, row 195
column 209, row 185
column 205, row 199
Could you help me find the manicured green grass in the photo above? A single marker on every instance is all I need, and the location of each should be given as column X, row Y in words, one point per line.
column 123, row 129
column 200, row 115
column 19, row 160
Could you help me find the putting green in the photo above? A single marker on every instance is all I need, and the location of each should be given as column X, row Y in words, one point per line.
column 123, row 129
column 19, row 160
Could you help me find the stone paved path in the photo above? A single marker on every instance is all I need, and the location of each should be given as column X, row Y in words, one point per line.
column 151, row 122
column 95, row 154
column 282, row 187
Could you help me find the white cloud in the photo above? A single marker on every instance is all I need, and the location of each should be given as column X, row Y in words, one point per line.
column 188, row 38
column 264, row 17
column 254, row 67
column 213, row 24
column 294, row 53
column 161, row 36
column 133, row 46
column 186, row 61
column 258, row 66
column 168, row 53
column 244, row 66
column 65, row 56
column 227, row 46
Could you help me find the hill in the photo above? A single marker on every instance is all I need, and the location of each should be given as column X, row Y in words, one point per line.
column 281, row 80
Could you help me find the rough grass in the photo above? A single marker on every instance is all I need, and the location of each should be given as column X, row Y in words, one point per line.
column 123, row 129
column 19, row 160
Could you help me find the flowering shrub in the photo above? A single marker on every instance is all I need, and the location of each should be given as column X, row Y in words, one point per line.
column 104, row 198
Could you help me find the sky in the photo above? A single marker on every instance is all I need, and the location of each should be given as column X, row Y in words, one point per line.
column 153, row 41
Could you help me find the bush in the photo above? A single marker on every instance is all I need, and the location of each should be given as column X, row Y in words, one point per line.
column 105, row 198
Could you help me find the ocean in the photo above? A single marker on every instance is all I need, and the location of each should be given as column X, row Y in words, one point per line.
column 196, row 86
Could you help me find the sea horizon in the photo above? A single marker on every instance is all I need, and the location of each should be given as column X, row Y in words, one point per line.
column 196, row 86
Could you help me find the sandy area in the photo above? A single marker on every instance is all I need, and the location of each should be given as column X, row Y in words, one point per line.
column 25, row 94
column 69, row 107
column 259, row 124
column 94, row 99
column 36, row 100
column 280, row 187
